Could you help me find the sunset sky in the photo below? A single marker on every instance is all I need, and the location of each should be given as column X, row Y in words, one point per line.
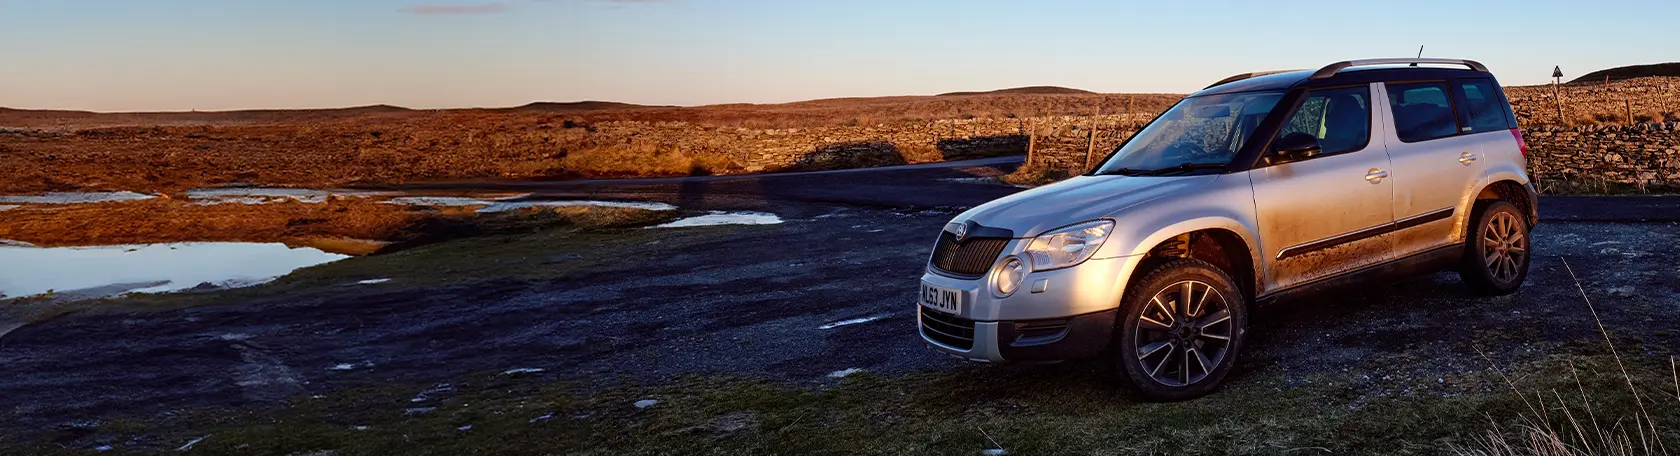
column 145, row 55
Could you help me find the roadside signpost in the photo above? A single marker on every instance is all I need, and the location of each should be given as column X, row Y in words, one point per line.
column 1557, row 95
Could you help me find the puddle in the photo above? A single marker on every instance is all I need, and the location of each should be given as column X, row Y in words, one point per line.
column 103, row 271
column 252, row 195
column 725, row 218
column 74, row 197
column 7, row 207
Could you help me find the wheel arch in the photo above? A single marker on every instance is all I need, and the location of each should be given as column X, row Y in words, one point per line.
column 1225, row 243
column 1509, row 190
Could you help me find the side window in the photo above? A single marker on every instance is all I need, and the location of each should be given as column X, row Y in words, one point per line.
column 1422, row 111
column 1339, row 118
column 1480, row 109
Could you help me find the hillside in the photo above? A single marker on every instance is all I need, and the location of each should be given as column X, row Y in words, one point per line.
column 1007, row 103
column 580, row 106
column 1630, row 72
column 1033, row 90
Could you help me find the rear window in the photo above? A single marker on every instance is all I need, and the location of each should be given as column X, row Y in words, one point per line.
column 1480, row 108
column 1422, row 111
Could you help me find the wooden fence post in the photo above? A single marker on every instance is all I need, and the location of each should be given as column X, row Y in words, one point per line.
column 1032, row 141
column 1090, row 147
column 1557, row 98
column 1129, row 104
column 1629, row 103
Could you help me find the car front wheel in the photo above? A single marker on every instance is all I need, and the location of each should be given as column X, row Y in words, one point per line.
column 1180, row 329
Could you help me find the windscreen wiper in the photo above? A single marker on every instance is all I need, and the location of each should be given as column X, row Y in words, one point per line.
column 1182, row 167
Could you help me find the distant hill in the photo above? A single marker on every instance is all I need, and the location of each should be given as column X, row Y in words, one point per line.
column 1033, row 90
column 579, row 106
column 1632, row 71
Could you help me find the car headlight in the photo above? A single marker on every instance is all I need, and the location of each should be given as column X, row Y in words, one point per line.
column 1007, row 277
column 1068, row 246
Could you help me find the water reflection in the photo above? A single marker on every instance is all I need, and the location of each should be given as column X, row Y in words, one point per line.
column 151, row 268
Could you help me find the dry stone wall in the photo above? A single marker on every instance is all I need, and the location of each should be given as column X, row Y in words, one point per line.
column 1590, row 144
column 1634, row 154
column 758, row 150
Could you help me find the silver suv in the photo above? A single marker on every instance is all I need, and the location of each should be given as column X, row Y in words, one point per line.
column 1259, row 187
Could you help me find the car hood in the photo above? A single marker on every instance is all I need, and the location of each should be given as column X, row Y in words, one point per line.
column 1075, row 200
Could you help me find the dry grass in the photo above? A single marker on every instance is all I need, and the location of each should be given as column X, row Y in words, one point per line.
column 1556, row 427
column 326, row 225
column 621, row 160
column 1035, row 175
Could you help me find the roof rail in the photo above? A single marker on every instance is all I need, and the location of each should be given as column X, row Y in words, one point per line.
column 1239, row 77
column 1332, row 69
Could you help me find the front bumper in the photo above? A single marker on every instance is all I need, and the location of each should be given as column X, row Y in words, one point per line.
column 1058, row 314
column 1079, row 336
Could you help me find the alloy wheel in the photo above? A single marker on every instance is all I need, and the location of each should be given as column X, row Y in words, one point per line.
column 1504, row 247
column 1184, row 333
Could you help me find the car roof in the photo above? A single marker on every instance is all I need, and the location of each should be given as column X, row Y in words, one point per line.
column 1356, row 75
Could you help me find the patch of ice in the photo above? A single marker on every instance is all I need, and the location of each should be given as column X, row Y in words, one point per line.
column 725, row 218
column 75, row 197
column 359, row 428
column 418, row 410
column 437, row 201
column 464, row 428
column 7, row 327
column 15, row 243
column 994, row 452
column 645, row 403
column 7, row 207
column 149, row 268
column 103, row 448
column 342, row 367
column 844, row 372
column 972, row 180
column 256, row 195
column 851, row 322
column 190, row 443
column 542, row 418
column 522, row 370
column 512, row 206
column 372, row 281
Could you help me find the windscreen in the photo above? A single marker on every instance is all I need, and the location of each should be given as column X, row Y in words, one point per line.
column 1198, row 130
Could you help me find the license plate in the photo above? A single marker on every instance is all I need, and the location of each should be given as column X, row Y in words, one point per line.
column 941, row 299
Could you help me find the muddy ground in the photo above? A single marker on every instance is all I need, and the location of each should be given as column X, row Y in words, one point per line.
column 645, row 306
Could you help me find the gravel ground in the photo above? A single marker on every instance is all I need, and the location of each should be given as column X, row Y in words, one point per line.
column 759, row 301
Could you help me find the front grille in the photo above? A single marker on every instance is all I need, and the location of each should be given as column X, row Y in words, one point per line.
column 970, row 257
column 947, row 329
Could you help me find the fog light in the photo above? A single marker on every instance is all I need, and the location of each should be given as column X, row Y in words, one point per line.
column 1007, row 278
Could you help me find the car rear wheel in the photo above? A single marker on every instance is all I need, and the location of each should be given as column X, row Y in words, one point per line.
column 1180, row 329
column 1497, row 251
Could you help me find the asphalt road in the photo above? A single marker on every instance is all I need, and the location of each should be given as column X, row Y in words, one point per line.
column 767, row 302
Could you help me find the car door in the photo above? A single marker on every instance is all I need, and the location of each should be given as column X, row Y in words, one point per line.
column 1326, row 214
column 1436, row 158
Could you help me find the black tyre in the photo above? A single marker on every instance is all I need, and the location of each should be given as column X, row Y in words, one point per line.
column 1180, row 328
column 1496, row 250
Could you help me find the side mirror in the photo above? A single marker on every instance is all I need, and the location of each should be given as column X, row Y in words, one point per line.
column 1295, row 147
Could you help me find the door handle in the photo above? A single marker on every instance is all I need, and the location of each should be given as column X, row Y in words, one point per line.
column 1466, row 158
column 1376, row 175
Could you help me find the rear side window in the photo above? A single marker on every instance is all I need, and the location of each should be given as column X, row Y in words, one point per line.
column 1422, row 111
column 1480, row 108
column 1339, row 118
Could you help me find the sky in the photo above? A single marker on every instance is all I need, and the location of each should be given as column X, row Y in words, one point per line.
column 177, row 55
